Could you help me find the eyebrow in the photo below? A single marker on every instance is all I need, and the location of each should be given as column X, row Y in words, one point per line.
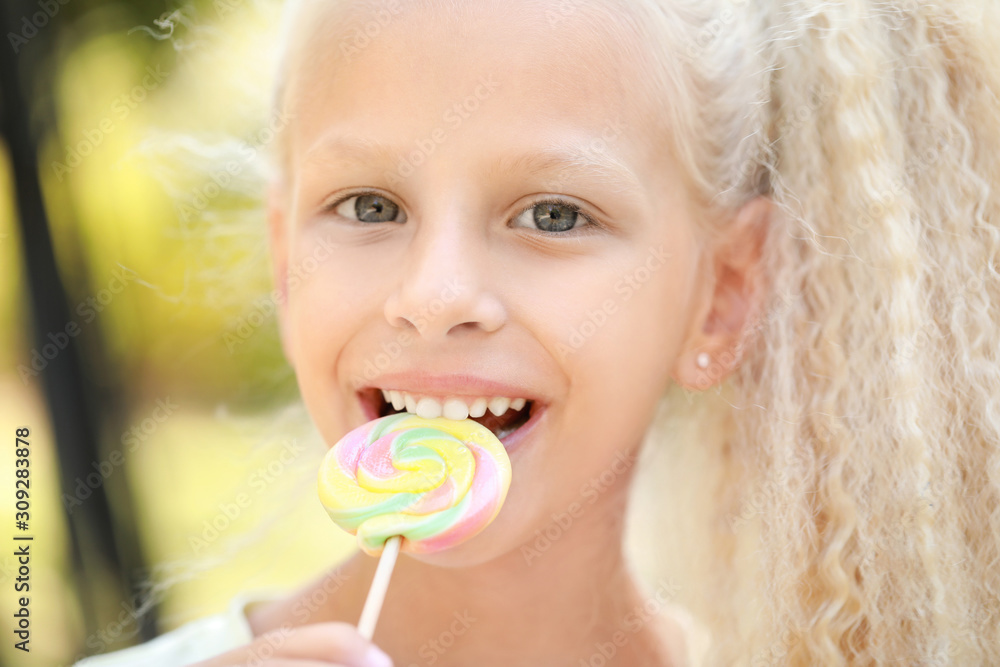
column 564, row 157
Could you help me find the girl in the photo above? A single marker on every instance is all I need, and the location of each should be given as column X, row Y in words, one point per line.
column 570, row 220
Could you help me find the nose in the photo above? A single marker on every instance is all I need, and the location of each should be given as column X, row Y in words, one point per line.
column 443, row 288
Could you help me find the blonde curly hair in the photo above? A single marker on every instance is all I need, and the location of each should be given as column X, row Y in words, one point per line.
column 856, row 513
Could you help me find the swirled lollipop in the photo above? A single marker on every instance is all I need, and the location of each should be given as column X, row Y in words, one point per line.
column 431, row 482
column 435, row 482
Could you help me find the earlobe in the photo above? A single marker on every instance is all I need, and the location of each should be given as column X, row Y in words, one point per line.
column 714, row 350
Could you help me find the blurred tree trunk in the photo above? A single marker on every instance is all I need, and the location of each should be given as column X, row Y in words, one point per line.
column 106, row 555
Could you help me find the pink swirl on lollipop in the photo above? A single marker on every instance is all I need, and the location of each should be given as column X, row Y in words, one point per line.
column 435, row 482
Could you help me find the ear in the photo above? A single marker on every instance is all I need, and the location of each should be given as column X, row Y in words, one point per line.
column 731, row 301
column 277, row 222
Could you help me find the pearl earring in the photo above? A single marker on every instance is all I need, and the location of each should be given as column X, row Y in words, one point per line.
column 703, row 360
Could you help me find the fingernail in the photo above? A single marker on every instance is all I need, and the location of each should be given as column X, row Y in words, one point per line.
column 376, row 657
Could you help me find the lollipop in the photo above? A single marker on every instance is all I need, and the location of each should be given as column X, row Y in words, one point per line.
column 423, row 485
column 435, row 482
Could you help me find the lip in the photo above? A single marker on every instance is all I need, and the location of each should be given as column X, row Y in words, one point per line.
column 455, row 384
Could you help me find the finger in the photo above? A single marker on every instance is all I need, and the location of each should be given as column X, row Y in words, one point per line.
column 338, row 642
column 282, row 662
column 230, row 660
column 326, row 644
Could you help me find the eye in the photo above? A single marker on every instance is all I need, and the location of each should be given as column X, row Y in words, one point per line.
column 367, row 207
column 553, row 215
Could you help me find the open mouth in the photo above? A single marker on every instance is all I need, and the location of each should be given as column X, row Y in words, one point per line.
column 503, row 425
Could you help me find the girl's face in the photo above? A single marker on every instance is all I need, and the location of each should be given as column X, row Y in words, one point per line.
column 477, row 207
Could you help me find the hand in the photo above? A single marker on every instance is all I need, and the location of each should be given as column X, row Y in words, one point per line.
column 319, row 645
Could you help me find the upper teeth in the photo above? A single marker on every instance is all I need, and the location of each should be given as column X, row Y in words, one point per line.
column 451, row 407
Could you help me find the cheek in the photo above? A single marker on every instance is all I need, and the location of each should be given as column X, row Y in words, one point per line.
column 629, row 328
column 326, row 302
column 620, row 368
column 316, row 333
column 328, row 290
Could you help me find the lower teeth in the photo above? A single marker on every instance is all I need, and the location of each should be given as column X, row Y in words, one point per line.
column 504, row 432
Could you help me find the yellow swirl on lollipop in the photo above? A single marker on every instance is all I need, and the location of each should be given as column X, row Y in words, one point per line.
column 435, row 482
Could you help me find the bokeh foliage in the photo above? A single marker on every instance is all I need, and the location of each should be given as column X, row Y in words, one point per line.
column 140, row 103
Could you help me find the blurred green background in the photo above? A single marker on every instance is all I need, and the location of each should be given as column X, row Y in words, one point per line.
column 134, row 107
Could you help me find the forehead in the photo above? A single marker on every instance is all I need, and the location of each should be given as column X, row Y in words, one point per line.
column 410, row 62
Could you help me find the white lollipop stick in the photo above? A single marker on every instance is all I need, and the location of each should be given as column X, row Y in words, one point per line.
column 380, row 584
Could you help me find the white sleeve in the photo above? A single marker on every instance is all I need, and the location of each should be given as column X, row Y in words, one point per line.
column 192, row 642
